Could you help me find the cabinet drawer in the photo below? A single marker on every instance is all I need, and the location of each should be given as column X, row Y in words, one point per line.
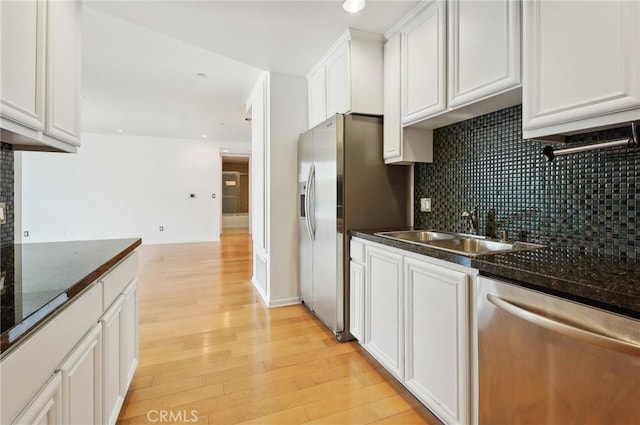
column 24, row 370
column 118, row 278
column 357, row 251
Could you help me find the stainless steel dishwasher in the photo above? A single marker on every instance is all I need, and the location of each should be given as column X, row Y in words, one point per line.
column 546, row 360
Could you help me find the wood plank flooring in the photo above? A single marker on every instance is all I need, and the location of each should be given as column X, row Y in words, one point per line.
column 212, row 353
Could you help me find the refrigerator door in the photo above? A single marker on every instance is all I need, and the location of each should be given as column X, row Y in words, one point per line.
column 305, row 266
column 324, row 198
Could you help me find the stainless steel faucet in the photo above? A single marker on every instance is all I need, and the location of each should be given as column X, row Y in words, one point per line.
column 472, row 216
column 503, row 235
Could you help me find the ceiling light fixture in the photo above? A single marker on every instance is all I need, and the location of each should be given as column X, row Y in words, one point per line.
column 204, row 136
column 120, row 131
column 353, row 6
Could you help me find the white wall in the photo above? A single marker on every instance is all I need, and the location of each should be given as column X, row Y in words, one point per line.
column 279, row 110
column 120, row 186
column 287, row 119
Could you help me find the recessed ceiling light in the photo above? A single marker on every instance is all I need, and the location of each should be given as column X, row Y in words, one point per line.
column 225, row 150
column 120, row 130
column 353, row 6
column 201, row 75
column 204, row 136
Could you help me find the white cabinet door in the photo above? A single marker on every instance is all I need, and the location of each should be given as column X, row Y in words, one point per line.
column 23, row 61
column 338, row 77
column 484, row 49
column 392, row 133
column 82, row 380
column 437, row 332
column 384, row 331
column 112, row 369
column 129, row 334
column 46, row 407
column 356, row 299
column 424, row 64
column 317, row 97
column 63, row 71
column 581, row 65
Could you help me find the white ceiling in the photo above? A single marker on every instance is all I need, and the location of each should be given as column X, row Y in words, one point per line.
column 140, row 59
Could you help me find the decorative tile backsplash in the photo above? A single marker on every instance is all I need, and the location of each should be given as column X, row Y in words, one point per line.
column 6, row 192
column 587, row 201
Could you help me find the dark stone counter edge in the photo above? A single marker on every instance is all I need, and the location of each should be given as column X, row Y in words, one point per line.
column 623, row 304
column 74, row 290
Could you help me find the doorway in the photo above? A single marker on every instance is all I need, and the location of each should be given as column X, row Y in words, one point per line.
column 235, row 194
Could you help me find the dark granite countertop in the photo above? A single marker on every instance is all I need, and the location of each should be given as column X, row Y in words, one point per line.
column 39, row 279
column 607, row 283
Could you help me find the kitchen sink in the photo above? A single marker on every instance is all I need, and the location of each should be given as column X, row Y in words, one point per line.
column 419, row 235
column 472, row 247
column 459, row 243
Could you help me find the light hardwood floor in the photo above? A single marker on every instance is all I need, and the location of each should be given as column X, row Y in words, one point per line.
column 211, row 350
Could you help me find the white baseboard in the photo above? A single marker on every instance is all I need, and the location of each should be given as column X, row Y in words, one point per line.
column 284, row 302
column 256, row 285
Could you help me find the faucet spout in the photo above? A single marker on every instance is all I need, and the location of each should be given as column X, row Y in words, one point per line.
column 502, row 233
column 472, row 216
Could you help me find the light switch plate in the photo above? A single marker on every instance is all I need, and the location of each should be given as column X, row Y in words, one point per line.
column 425, row 204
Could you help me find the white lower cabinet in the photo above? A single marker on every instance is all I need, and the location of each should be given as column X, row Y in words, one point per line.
column 111, row 328
column 78, row 367
column 46, row 407
column 437, row 338
column 129, row 335
column 383, row 334
column 417, row 325
column 120, row 347
column 81, row 381
column 356, row 297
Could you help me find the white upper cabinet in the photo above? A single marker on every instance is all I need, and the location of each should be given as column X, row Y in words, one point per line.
column 23, row 58
column 581, row 65
column 40, row 82
column 348, row 78
column 400, row 145
column 317, row 97
column 392, row 132
column 458, row 59
column 63, row 72
column 424, row 64
column 483, row 47
column 338, row 81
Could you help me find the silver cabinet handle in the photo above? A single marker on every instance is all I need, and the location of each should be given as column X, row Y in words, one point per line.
column 589, row 336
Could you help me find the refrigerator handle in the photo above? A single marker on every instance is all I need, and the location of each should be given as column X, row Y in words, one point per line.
column 307, row 209
column 312, row 201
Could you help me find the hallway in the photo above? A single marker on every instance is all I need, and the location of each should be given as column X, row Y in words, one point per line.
column 212, row 353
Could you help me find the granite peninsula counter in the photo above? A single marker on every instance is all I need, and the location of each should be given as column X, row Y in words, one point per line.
column 40, row 279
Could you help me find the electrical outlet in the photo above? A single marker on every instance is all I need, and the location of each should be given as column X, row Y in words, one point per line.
column 425, row 204
column 26, row 233
column 162, row 228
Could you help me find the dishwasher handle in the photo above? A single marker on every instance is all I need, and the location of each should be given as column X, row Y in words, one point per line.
column 589, row 336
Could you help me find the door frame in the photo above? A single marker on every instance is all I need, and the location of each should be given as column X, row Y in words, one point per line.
column 227, row 153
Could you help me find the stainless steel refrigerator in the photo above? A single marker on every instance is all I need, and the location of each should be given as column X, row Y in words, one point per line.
column 343, row 184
